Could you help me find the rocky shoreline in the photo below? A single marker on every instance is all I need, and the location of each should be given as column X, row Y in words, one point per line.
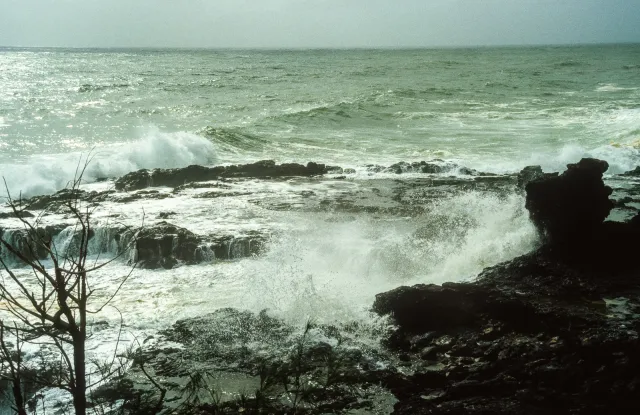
column 552, row 331
column 162, row 244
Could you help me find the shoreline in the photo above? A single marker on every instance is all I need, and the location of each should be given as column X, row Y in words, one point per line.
column 529, row 335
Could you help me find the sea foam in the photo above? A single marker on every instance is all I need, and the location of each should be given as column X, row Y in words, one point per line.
column 43, row 174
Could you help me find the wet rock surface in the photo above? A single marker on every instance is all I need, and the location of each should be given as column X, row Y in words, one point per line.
column 25, row 214
column 272, row 366
column 570, row 206
column 432, row 167
column 164, row 245
column 59, row 199
column 23, row 241
column 528, row 337
column 553, row 331
column 177, row 177
column 548, row 332
column 408, row 197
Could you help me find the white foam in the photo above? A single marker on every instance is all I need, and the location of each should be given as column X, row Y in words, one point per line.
column 612, row 88
column 484, row 230
column 621, row 158
column 330, row 268
column 43, row 174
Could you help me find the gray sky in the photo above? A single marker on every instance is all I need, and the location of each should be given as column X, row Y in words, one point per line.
column 315, row 23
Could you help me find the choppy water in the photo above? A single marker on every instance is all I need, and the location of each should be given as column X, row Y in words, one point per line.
column 494, row 110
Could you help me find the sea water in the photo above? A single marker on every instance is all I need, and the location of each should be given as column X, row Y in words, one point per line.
column 494, row 110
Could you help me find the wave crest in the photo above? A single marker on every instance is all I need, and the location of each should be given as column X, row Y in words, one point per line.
column 45, row 174
column 230, row 139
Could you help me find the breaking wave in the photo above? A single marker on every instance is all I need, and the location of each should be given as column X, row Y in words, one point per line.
column 232, row 139
column 43, row 174
column 332, row 269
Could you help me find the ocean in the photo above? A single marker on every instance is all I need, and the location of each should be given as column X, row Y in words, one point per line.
column 493, row 109
column 332, row 242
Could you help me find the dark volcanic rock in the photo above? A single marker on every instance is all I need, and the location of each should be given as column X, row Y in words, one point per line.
column 528, row 336
column 19, row 214
column 432, row 167
column 58, row 199
column 232, row 247
column 632, row 173
column 535, row 334
column 26, row 241
column 568, row 207
column 424, row 308
column 314, row 371
column 163, row 245
column 570, row 210
column 529, row 174
column 177, row 177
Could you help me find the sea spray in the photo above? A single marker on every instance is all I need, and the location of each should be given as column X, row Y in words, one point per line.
column 44, row 174
column 330, row 267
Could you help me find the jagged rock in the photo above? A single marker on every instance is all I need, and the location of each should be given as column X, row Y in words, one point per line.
column 26, row 241
column 163, row 245
column 569, row 211
column 274, row 356
column 632, row 173
column 529, row 174
column 231, row 247
column 63, row 196
column 433, row 167
column 177, row 177
column 534, row 334
column 20, row 214
column 527, row 332
column 568, row 207
column 423, row 308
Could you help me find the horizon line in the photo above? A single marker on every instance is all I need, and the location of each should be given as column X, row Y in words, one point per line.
column 305, row 48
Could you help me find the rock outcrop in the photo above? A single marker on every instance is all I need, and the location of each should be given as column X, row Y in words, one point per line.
column 431, row 167
column 176, row 177
column 57, row 201
column 569, row 211
column 28, row 242
column 24, row 214
column 275, row 368
column 529, row 174
column 164, row 245
column 570, row 206
column 529, row 336
column 541, row 333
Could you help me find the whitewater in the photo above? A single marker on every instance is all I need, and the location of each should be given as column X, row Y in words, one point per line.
column 332, row 243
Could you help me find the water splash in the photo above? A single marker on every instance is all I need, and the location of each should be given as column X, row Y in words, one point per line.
column 45, row 174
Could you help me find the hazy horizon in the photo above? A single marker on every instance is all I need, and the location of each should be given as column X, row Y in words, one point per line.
column 316, row 24
column 329, row 48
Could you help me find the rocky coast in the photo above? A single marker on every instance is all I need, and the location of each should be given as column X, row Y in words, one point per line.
column 551, row 331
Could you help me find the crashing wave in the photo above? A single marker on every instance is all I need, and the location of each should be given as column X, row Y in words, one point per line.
column 44, row 174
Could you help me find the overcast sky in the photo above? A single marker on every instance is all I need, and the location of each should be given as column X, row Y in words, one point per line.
column 315, row 23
